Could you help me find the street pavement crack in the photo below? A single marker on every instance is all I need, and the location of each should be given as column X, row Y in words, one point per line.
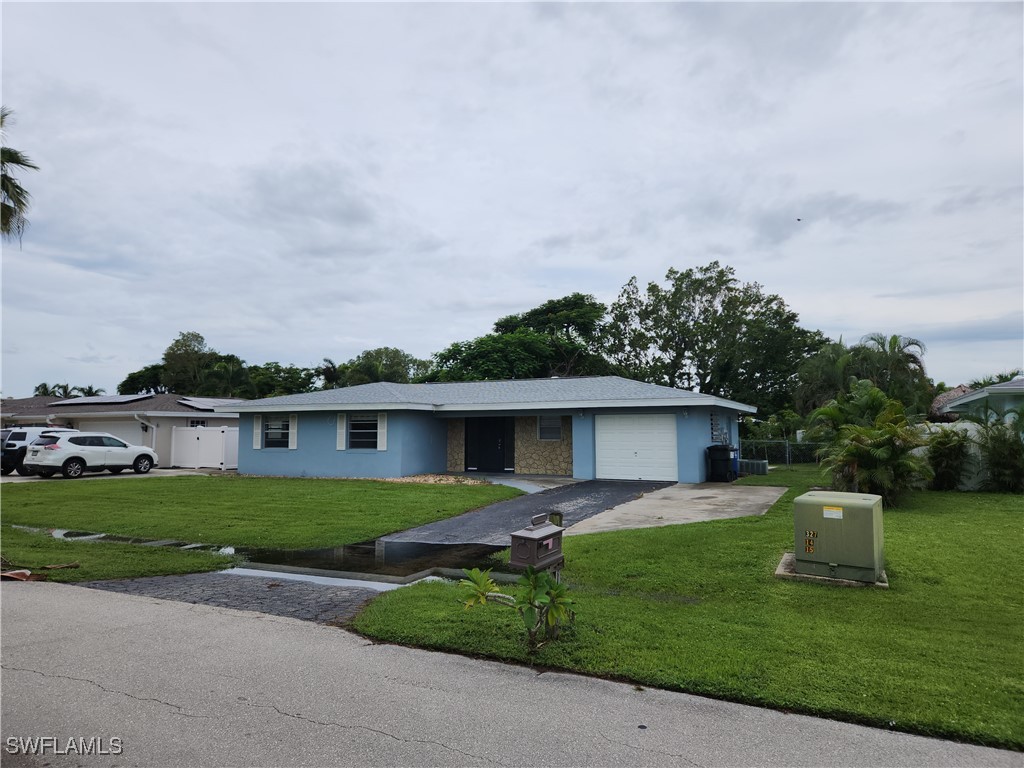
column 378, row 731
column 180, row 710
column 653, row 751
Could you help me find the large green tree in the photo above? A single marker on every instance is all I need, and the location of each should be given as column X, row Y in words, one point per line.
column 14, row 198
column 225, row 376
column 273, row 379
column 524, row 354
column 574, row 327
column 705, row 330
column 561, row 337
column 149, row 379
column 382, row 364
column 186, row 363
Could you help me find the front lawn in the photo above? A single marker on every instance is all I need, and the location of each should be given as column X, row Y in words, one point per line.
column 284, row 513
column 240, row 511
column 24, row 549
column 696, row 608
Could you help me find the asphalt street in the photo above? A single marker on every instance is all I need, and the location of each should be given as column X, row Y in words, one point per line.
column 197, row 685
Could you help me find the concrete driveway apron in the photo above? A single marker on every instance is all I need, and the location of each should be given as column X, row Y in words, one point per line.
column 683, row 503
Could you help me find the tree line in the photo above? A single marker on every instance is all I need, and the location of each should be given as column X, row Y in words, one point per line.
column 700, row 329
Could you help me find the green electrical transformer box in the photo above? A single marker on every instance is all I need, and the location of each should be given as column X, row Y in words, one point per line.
column 839, row 535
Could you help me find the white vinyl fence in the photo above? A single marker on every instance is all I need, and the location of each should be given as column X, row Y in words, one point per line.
column 205, row 447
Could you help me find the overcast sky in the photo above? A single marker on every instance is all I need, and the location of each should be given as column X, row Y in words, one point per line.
column 299, row 181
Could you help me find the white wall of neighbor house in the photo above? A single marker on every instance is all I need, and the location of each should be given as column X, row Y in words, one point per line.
column 158, row 436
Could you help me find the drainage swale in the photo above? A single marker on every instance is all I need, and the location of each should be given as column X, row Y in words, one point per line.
column 383, row 558
column 392, row 560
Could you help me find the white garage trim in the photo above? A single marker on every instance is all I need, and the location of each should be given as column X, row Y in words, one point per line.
column 639, row 446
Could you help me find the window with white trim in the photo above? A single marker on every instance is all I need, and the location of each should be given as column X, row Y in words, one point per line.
column 197, row 422
column 549, row 427
column 276, row 432
column 363, row 431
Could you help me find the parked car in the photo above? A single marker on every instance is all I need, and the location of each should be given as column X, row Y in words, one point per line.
column 15, row 441
column 75, row 453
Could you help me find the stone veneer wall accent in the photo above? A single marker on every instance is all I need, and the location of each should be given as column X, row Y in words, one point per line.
column 456, row 445
column 542, row 457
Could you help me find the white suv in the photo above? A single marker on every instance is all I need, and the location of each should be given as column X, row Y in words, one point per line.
column 77, row 452
column 15, row 441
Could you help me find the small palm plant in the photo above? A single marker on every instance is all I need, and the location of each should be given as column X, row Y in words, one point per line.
column 1001, row 440
column 949, row 454
column 543, row 604
column 878, row 458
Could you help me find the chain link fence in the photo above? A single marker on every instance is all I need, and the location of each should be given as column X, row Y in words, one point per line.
column 781, row 451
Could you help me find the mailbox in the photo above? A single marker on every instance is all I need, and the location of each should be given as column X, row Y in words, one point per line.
column 538, row 544
column 839, row 535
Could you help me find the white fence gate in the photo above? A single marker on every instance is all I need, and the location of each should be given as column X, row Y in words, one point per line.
column 204, row 447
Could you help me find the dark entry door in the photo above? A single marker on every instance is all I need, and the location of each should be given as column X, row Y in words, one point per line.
column 490, row 444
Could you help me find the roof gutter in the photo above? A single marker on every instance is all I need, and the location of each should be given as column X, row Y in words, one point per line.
column 547, row 405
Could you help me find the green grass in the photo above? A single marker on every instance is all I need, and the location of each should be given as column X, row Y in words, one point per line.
column 242, row 511
column 100, row 560
column 696, row 608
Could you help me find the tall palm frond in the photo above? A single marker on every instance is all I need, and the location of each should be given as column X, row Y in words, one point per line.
column 14, row 198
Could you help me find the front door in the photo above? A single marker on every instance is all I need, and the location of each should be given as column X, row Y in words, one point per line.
column 490, row 444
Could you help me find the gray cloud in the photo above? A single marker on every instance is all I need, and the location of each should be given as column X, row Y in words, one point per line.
column 960, row 199
column 774, row 227
column 407, row 173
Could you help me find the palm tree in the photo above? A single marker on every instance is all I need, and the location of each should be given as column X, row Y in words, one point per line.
column 88, row 391
column 14, row 199
column 333, row 375
column 823, row 376
column 43, row 390
column 895, row 364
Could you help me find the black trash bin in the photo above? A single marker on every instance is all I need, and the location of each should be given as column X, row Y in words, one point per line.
column 721, row 463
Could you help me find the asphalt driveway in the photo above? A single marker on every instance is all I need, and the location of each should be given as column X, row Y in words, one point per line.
column 494, row 523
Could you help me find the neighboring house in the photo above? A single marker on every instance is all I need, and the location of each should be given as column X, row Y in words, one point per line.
column 588, row 427
column 981, row 403
column 142, row 419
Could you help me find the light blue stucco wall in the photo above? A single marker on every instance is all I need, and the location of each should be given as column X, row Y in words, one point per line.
column 584, row 454
column 415, row 445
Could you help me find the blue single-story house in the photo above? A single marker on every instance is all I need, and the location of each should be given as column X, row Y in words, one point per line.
column 590, row 427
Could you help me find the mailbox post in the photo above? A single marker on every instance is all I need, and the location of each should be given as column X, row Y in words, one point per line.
column 539, row 544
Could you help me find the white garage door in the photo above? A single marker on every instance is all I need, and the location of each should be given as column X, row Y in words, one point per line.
column 636, row 447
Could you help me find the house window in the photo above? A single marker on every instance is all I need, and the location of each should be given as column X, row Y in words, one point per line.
column 362, row 431
column 549, row 427
column 275, row 431
column 197, row 422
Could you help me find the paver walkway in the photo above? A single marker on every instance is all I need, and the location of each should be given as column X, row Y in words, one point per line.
column 322, row 603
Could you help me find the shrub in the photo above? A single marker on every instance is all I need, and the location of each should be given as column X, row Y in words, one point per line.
column 1002, row 448
column 879, row 458
column 543, row 604
column 949, row 454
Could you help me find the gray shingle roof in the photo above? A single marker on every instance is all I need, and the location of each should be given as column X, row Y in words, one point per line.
column 162, row 403
column 551, row 393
